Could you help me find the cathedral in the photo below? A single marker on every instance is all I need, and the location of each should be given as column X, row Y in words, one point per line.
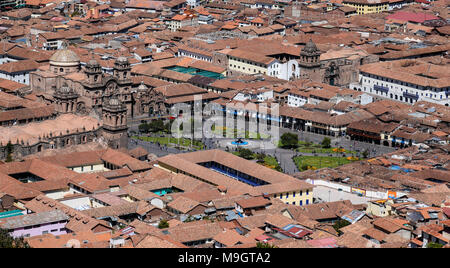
column 90, row 87
column 90, row 92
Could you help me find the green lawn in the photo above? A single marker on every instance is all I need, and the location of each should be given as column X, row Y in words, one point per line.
column 305, row 147
column 173, row 141
column 269, row 161
column 223, row 131
column 316, row 162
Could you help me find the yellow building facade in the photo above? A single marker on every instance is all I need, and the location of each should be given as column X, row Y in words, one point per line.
column 296, row 197
column 246, row 66
column 367, row 6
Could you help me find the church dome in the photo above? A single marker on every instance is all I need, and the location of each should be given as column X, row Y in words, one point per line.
column 64, row 57
column 142, row 87
column 310, row 48
column 93, row 63
column 114, row 104
column 122, row 60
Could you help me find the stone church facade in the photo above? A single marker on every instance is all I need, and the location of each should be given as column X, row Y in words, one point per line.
column 336, row 67
column 82, row 97
column 92, row 86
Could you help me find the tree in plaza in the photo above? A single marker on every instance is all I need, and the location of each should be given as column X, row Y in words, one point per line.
column 156, row 125
column 260, row 157
column 289, row 140
column 144, row 127
column 245, row 153
column 304, row 167
column 326, row 142
column 168, row 126
column 365, row 153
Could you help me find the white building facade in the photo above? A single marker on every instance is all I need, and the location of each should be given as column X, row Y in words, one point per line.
column 403, row 91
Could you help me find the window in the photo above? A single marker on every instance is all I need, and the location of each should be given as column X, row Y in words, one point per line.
column 307, row 201
column 301, row 203
column 307, row 192
column 287, row 195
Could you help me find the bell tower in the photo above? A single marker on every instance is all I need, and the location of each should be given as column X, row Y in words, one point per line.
column 65, row 99
column 122, row 70
column 310, row 62
column 93, row 72
column 114, row 114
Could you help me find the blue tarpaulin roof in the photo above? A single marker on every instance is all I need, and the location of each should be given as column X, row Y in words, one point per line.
column 11, row 213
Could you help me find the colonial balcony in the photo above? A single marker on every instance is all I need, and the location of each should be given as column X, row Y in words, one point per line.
column 411, row 96
column 381, row 88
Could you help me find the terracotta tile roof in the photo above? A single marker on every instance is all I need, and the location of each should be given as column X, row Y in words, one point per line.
column 10, row 86
column 412, row 16
column 121, row 160
column 18, row 190
column 185, row 233
column 28, row 113
column 44, row 170
column 251, row 56
column 61, row 241
column 92, row 182
column 75, row 159
column 138, row 152
column 279, row 221
column 123, row 209
column 390, row 225
column 183, row 204
column 254, row 202
column 349, row 240
column 153, row 241
column 375, row 234
column 232, row 237
column 78, row 221
column 32, row 131
column 19, row 66
column 255, row 221
column 321, row 211
column 109, row 199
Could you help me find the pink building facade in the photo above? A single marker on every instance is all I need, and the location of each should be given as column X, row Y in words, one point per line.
column 29, row 225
